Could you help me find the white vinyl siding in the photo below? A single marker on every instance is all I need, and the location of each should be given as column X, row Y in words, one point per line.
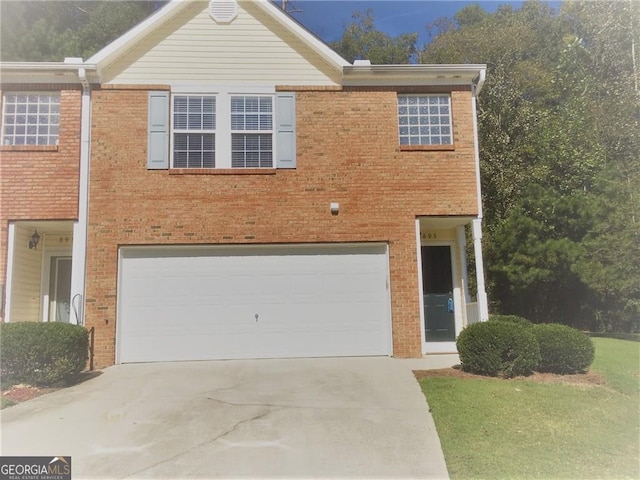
column 25, row 293
column 193, row 49
column 251, row 132
column 194, row 126
column 30, row 118
column 424, row 120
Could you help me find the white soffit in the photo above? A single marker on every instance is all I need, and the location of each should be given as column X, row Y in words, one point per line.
column 411, row 75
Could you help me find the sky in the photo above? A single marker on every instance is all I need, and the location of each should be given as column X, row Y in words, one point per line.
column 328, row 18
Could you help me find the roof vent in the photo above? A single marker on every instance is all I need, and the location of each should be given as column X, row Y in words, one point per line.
column 223, row 11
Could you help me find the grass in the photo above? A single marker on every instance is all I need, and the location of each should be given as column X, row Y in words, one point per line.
column 6, row 402
column 491, row 428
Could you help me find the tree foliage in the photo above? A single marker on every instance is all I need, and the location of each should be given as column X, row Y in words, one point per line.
column 52, row 30
column 362, row 41
column 558, row 126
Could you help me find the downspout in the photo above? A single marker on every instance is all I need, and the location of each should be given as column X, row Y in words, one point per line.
column 483, row 302
column 79, row 259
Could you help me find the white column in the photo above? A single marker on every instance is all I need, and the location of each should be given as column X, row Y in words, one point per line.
column 8, row 287
column 483, row 304
column 462, row 245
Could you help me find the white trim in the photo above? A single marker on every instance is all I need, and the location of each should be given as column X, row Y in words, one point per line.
column 119, row 46
column 462, row 246
column 330, row 56
column 8, row 287
column 80, row 227
column 389, row 309
column 45, row 271
column 141, row 30
column 222, row 132
column 118, row 307
column 420, row 285
column 397, row 75
column 483, row 303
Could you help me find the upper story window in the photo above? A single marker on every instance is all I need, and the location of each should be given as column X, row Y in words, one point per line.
column 30, row 118
column 251, row 131
column 424, row 120
column 194, row 127
column 221, row 131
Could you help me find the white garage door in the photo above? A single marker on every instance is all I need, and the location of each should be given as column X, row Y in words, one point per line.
column 202, row 303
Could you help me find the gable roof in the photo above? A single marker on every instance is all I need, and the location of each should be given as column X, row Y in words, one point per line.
column 118, row 47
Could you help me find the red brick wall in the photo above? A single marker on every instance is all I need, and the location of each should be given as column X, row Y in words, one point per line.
column 348, row 152
column 41, row 183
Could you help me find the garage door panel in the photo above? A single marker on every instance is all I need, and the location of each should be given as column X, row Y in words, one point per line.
column 191, row 303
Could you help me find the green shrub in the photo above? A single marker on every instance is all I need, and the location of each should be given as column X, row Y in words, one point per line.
column 498, row 348
column 510, row 319
column 563, row 349
column 42, row 354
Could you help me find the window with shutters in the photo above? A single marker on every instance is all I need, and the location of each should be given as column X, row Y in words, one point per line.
column 30, row 118
column 251, row 132
column 194, row 131
column 221, row 131
column 424, row 120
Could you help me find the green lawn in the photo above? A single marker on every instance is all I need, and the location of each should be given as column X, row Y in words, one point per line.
column 492, row 428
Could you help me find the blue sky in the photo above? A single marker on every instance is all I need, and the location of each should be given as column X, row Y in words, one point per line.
column 327, row 18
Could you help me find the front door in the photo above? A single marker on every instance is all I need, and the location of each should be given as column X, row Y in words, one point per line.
column 60, row 289
column 437, row 284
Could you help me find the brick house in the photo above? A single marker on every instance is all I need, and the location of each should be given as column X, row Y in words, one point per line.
column 218, row 183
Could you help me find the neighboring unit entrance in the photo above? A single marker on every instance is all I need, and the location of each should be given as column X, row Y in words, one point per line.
column 437, row 285
column 202, row 303
column 60, row 289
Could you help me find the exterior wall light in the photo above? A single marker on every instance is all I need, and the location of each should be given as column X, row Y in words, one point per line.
column 35, row 239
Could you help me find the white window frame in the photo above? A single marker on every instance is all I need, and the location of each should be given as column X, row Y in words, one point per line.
column 41, row 126
column 195, row 131
column 223, row 132
column 425, row 126
column 254, row 132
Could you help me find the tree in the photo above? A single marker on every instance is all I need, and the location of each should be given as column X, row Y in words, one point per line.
column 361, row 40
column 52, row 30
column 558, row 122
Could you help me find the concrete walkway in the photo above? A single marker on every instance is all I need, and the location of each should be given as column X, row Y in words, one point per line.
column 319, row 418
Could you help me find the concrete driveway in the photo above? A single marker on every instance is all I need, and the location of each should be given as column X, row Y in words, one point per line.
column 320, row 418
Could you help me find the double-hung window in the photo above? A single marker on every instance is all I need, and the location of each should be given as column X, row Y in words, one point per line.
column 424, row 120
column 251, row 131
column 30, row 118
column 221, row 130
column 194, row 131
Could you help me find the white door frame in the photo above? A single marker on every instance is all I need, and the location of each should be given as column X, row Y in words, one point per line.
column 441, row 347
column 50, row 252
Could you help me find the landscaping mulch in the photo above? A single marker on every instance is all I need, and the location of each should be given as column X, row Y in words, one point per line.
column 22, row 393
column 582, row 379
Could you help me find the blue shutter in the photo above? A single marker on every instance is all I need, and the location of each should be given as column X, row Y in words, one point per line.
column 158, row 133
column 286, row 130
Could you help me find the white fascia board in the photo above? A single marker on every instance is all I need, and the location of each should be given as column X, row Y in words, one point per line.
column 414, row 74
column 301, row 32
column 104, row 56
column 45, row 72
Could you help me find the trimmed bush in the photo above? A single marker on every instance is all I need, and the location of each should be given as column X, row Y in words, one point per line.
column 498, row 349
column 510, row 319
column 42, row 354
column 563, row 349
